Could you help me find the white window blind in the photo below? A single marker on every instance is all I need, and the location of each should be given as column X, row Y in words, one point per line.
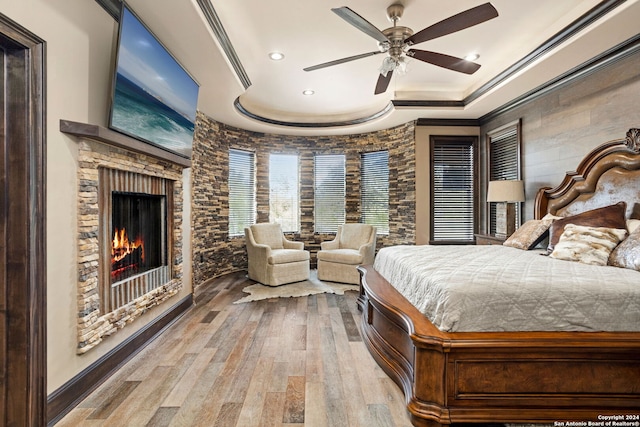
column 503, row 164
column 242, row 199
column 330, row 192
column 375, row 190
column 453, row 191
column 283, row 191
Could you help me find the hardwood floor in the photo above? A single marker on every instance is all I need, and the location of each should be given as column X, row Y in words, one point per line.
column 278, row 362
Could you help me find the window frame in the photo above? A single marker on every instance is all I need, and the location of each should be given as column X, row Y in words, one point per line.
column 272, row 217
column 333, row 227
column 380, row 227
column 251, row 219
column 500, row 134
column 467, row 140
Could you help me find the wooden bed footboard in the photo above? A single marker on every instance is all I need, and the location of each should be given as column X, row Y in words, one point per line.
column 479, row 377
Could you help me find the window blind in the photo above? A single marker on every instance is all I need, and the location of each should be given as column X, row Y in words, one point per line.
column 242, row 199
column 453, row 191
column 503, row 164
column 330, row 192
column 283, row 191
column 375, row 190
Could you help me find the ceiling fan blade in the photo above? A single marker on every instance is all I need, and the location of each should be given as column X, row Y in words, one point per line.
column 360, row 23
column 383, row 83
column 468, row 18
column 341, row 61
column 445, row 61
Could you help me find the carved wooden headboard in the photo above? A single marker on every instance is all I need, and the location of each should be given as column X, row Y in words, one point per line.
column 608, row 174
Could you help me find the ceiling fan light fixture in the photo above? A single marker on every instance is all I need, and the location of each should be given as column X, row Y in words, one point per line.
column 388, row 64
column 401, row 66
column 384, row 46
column 276, row 56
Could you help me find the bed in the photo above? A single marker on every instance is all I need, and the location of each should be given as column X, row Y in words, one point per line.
column 582, row 373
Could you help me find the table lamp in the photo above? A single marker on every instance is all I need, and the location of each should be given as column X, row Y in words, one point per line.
column 506, row 193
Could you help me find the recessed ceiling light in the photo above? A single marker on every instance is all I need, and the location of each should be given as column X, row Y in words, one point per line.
column 472, row 57
column 308, row 92
column 276, row 56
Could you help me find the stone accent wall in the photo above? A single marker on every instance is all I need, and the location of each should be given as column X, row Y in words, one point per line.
column 94, row 326
column 216, row 254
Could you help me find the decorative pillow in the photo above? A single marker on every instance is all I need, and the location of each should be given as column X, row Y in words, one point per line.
column 632, row 225
column 588, row 245
column 627, row 253
column 529, row 234
column 609, row 216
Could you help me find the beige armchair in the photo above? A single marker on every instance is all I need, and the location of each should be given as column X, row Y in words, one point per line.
column 354, row 244
column 274, row 260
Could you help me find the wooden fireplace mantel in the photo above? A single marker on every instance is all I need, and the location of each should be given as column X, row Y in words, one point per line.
column 119, row 140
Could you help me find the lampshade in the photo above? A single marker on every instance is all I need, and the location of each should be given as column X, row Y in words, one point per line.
column 505, row 191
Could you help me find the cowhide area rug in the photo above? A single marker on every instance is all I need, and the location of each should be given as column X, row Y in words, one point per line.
column 312, row 286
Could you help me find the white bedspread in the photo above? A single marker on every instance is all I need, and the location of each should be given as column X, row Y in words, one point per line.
column 498, row 288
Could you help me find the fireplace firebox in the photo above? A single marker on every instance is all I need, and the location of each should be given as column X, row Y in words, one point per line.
column 135, row 237
column 139, row 236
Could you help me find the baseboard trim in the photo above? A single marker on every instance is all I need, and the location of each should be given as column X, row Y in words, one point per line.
column 65, row 398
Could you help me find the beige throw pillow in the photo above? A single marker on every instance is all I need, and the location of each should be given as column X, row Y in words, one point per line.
column 529, row 234
column 627, row 253
column 588, row 245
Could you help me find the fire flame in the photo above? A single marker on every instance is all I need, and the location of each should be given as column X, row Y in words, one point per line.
column 121, row 246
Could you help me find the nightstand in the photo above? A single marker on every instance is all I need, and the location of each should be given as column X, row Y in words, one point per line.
column 488, row 239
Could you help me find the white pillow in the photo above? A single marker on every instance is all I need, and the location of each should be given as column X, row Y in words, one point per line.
column 632, row 224
column 588, row 245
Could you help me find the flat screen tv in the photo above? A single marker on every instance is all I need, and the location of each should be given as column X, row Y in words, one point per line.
column 154, row 98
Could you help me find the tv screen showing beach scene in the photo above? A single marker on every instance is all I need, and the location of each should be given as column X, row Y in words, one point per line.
column 154, row 99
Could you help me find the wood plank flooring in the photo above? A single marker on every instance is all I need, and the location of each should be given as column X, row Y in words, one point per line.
column 277, row 362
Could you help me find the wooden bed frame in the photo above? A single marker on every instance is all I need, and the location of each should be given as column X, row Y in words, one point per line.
column 536, row 377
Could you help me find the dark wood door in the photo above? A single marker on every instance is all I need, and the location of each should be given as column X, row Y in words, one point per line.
column 22, row 228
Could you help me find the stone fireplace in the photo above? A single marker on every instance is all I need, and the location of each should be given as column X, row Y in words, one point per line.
column 129, row 237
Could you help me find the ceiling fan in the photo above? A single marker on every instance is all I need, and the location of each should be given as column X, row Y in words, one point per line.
column 397, row 41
